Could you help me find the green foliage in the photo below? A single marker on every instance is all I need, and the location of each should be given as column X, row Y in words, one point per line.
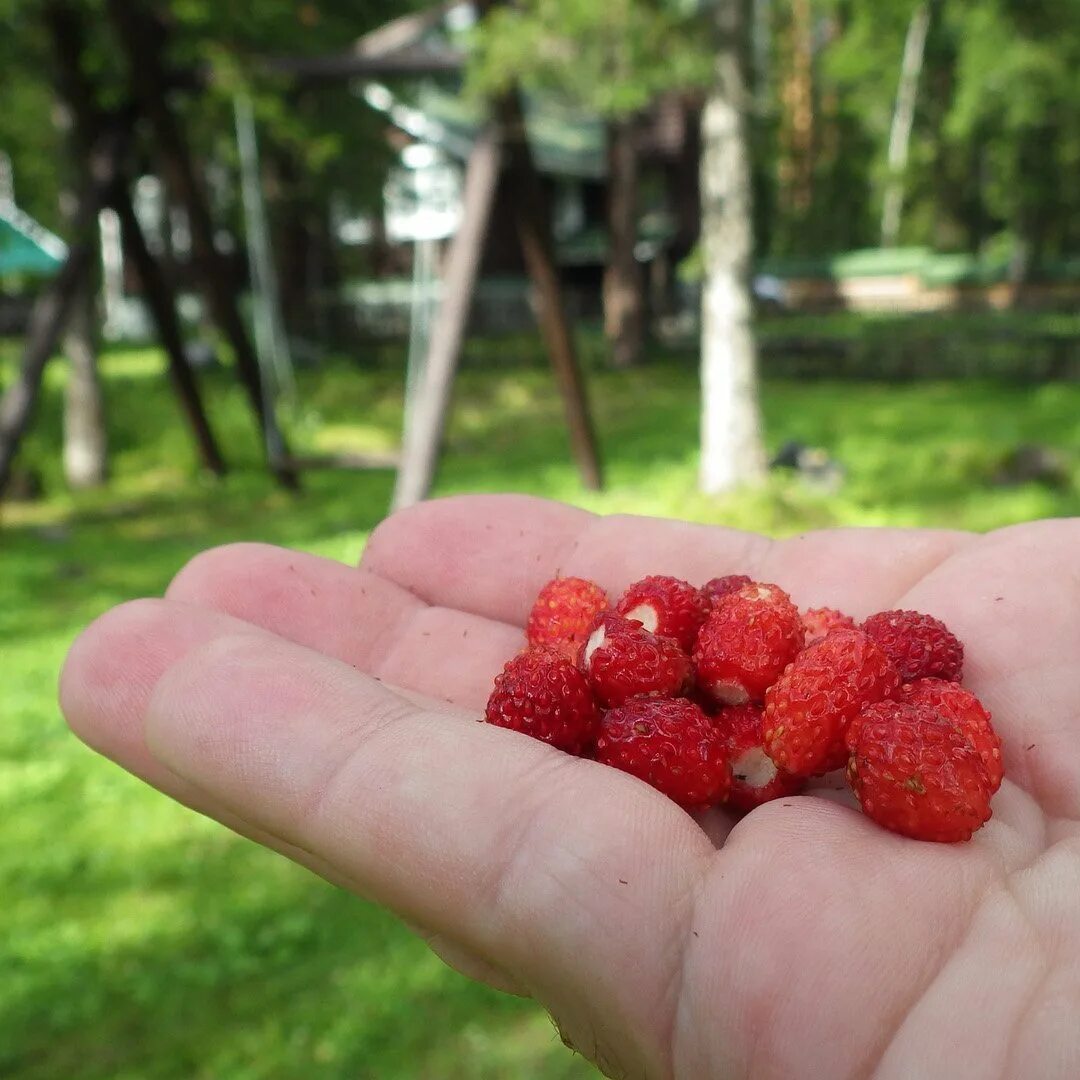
column 27, row 133
column 612, row 58
column 1018, row 89
column 997, row 127
column 995, row 145
column 334, row 139
column 331, row 140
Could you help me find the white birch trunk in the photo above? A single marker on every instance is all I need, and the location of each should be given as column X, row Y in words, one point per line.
column 85, row 444
column 907, row 93
column 731, row 447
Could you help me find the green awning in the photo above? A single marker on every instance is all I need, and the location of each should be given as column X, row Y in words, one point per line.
column 27, row 247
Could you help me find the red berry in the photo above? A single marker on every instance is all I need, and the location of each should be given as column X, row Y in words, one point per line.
column 918, row 645
column 755, row 779
column 965, row 712
column 670, row 744
column 623, row 660
column 540, row 693
column 916, row 774
column 665, row 606
column 563, row 612
column 747, row 641
column 818, row 622
column 809, row 708
column 720, row 586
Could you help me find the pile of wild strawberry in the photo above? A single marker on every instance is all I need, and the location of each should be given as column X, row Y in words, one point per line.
column 729, row 694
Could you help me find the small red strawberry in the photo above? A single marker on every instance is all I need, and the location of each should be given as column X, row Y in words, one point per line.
column 670, row 744
column 541, row 693
column 966, row 712
column 623, row 660
column 720, row 586
column 747, row 641
column 665, row 606
column 755, row 779
column 818, row 622
column 918, row 645
column 914, row 773
column 563, row 612
column 808, row 709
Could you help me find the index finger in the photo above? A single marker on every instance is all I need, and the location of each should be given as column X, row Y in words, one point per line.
column 491, row 554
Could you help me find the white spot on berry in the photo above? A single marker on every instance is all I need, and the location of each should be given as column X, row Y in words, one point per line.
column 754, row 768
column 644, row 614
column 596, row 639
column 728, row 692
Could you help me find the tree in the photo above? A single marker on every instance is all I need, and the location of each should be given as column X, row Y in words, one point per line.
column 85, row 438
column 795, row 164
column 85, row 454
column 613, row 59
column 903, row 118
column 27, row 134
column 624, row 287
column 172, row 48
column 566, row 46
column 732, row 452
column 1024, row 122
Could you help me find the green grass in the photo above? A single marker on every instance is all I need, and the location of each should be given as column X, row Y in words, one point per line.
column 138, row 940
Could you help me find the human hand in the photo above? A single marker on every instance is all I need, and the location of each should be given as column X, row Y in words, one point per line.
column 327, row 712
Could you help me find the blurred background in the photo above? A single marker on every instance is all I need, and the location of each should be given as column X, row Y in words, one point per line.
column 268, row 269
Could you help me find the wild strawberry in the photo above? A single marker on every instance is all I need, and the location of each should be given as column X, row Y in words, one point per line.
column 720, row 586
column 818, row 622
column 670, row 744
column 563, row 612
column 623, row 660
column 966, row 712
column 808, row 709
column 541, row 693
column 665, row 606
column 915, row 773
column 746, row 642
column 755, row 779
column 918, row 645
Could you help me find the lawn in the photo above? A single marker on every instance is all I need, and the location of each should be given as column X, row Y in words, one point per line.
column 139, row 941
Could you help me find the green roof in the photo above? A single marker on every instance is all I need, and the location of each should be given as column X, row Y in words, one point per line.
column 933, row 269
column 27, row 247
column 872, row 262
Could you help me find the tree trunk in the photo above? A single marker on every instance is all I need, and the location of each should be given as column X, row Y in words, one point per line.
column 159, row 299
column 684, row 186
column 797, row 128
column 85, row 444
column 142, row 39
column 88, row 122
column 903, row 117
column 52, row 309
column 425, row 411
column 624, row 291
column 85, row 440
column 731, row 445
column 532, row 217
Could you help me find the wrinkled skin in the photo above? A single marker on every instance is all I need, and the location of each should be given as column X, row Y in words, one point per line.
column 327, row 713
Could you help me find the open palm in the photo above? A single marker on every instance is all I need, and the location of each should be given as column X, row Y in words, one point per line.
column 326, row 712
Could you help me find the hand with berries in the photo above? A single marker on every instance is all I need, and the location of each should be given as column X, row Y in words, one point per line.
column 721, row 822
